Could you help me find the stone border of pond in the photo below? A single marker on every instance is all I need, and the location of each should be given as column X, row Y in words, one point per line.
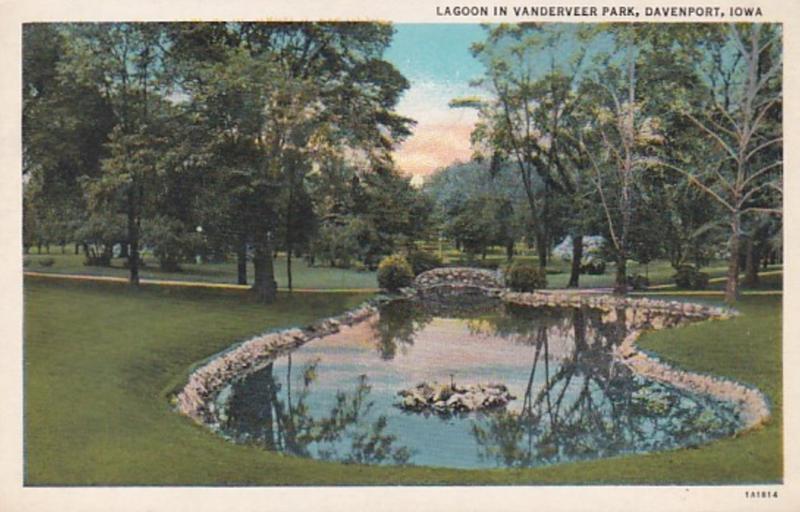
column 197, row 398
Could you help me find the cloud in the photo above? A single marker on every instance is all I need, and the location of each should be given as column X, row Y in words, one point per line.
column 441, row 135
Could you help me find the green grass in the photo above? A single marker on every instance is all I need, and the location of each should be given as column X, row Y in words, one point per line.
column 100, row 360
column 326, row 278
column 303, row 275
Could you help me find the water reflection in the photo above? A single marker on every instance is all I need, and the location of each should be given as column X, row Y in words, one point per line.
column 590, row 406
column 256, row 413
column 574, row 400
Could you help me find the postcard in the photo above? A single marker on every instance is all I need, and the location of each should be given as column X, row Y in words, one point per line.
column 430, row 256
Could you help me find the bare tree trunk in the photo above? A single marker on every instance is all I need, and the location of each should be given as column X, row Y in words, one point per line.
column 77, row 248
column 621, row 279
column 577, row 256
column 241, row 259
column 541, row 249
column 133, row 239
column 509, row 250
column 289, row 267
column 732, row 283
column 264, row 279
column 751, row 263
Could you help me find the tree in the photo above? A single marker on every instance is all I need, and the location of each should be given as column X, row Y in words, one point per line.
column 740, row 116
column 532, row 73
column 65, row 125
column 282, row 98
column 123, row 61
column 620, row 134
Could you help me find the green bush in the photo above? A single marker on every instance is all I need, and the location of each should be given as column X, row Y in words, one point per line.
column 394, row 273
column 422, row 261
column 638, row 282
column 26, row 262
column 46, row 262
column 524, row 276
column 594, row 267
column 689, row 278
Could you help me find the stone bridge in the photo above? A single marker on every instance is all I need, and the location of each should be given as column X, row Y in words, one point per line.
column 459, row 281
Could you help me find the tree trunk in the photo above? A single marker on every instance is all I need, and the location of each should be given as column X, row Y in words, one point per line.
column 577, row 256
column 241, row 259
column 732, row 282
column 289, row 267
column 621, row 279
column 264, row 279
column 77, row 248
column 133, row 240
column 509, row 250
column 123, row 250
column 541, row 249
column 751, row 264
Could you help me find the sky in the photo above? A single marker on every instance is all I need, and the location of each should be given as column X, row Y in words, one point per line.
column 435, row 59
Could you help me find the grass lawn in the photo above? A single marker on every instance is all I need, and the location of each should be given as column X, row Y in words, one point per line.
column 100, row 360
column 305, row 276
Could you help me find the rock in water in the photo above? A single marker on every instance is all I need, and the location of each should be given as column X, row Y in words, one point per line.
column 450, row 398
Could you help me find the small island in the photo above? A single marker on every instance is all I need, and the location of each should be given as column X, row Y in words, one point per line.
column 450, row 398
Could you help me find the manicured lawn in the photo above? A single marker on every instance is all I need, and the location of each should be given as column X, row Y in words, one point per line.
column 303, row 275
column 100, row 361
column 319, row 277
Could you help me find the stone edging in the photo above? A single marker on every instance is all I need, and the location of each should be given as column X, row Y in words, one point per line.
column 642, row 314
column 196, row 399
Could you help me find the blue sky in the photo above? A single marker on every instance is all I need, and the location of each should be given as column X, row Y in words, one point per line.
column 436, row 60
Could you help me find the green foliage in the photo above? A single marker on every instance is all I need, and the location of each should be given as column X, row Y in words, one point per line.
column 689, row 278
column 171, row 241
column 422, row 261
column 523, row 276
column 99, row 234
column 46, row 262
column 638, row 282
column 394, row 273
column 594, row 267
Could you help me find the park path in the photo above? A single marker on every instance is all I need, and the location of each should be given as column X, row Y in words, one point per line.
column 662, row 289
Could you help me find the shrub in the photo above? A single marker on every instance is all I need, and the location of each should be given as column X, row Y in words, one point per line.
column 422, row 261
column 26, row 262
column 595, row 267
column 524, row 276
column 394, row 273
column 689, row 278
column 46, row 262
column 638, row 282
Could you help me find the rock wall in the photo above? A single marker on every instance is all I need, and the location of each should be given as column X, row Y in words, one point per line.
column 196, row 399
column 643, row 314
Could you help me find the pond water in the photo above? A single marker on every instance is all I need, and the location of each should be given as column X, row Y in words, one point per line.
column 336, row 397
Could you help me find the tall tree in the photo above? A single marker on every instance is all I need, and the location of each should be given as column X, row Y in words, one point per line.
column 740, row 116
column 282, row 97
column 124, row 62
column 532, row 74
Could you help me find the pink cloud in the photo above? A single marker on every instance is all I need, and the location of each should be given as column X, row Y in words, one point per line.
column 433, row 146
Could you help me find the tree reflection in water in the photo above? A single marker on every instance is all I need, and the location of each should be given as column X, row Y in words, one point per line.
column 257, row 413
column 574, row 401
column 591, row 406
